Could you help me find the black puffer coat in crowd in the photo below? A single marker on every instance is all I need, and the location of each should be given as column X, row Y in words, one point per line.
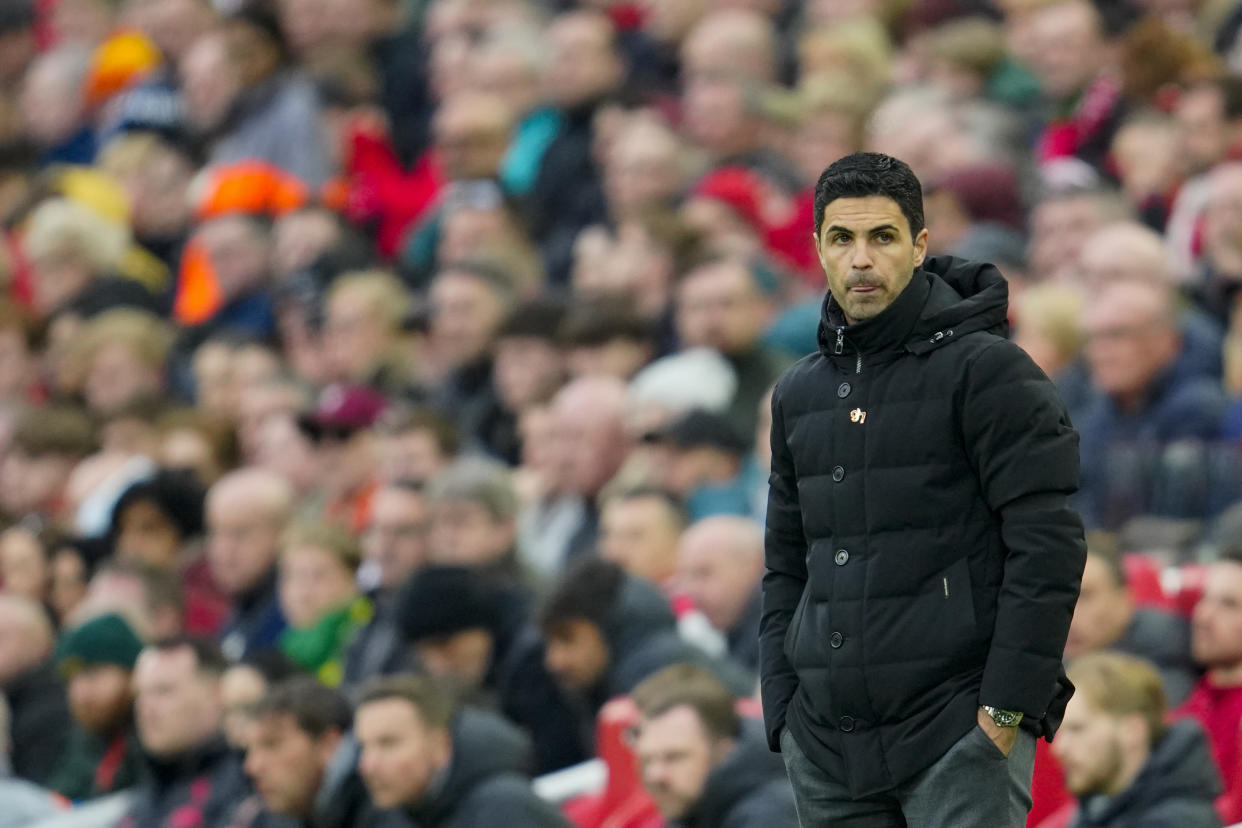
column 922, row 557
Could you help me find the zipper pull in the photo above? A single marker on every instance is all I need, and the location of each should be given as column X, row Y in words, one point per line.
column 840, row 349
column 858, row 364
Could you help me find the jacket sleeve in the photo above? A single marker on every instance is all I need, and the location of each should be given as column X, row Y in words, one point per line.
column 783, row 581
column 1025, row 454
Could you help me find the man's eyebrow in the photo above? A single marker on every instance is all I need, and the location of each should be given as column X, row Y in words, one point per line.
column 836, row 228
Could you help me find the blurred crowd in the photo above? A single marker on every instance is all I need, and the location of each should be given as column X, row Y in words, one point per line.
column 384, row 386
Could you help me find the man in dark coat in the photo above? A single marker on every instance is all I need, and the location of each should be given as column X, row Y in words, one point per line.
column 1128, row 769
column 922, row 559
column 304, row 763
column 441, row 767
column 704, row 765
column 605, row 631
column 33, row 689
column 191, row 775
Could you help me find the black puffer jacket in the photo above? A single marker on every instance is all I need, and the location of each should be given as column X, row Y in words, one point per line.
column 1177, row 787
column 922, row 558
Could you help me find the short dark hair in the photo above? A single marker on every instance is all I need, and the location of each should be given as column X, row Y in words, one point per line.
column 863, row 174
column 536, row 319
column 434, row 703
column 206, row 651
column 398, row 421
column 676, row 509
column 586, row 592
column 688, row 685
column 595, row 324
column 316, row 709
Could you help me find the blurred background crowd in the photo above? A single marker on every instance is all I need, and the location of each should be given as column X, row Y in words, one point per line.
column 346, row 339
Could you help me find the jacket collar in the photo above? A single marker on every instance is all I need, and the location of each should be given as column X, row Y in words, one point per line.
column 888, row 330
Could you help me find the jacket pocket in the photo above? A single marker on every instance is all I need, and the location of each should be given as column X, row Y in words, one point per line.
column 795, row 626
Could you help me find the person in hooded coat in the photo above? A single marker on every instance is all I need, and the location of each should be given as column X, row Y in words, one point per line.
column 922, row 557
column 703, row 764
column 1127, row 767
column 443, row 767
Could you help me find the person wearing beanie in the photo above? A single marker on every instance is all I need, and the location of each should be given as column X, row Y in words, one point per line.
column 158, row 522
column 102, row 755
column 472, row 629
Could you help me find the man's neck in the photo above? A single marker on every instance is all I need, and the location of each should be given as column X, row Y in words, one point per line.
column 1227, row 676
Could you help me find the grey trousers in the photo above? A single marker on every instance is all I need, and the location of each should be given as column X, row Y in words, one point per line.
column 973, row 785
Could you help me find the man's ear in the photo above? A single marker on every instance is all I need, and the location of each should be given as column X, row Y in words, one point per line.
column 920, row 247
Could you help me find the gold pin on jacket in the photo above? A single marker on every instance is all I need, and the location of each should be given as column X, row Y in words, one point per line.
column 858, row 416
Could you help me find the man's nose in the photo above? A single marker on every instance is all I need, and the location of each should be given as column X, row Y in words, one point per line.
column 861, row 259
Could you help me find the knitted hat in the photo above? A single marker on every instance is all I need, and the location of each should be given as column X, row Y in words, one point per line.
column 107, row 639
column 121, row 60
column 443, row 600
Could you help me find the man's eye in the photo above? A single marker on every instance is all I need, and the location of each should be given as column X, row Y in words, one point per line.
column 840, row 238
column 884, row 238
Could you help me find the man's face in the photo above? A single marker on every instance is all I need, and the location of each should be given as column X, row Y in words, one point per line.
column 313, row 582
column 1089, row 748
column 239, row 253
column 147, row 535
column 286, row 764
column 465, row 533
column 715, row 113
column 116, row 375
column 178, row 707
column 1059, row 229
column 867, row 253
column 396, row 539
column 471, row 138
column 576, row 654
column 100, row 697
column 355, row 337
column 210, row 82
column 719, row 307
column 23, row 565
column 1216, row 640
column 675, row 756
column 1128, row 341
column 241, row 546
column 1103, row 611
column 411, row 455
column 400, row 754
column 719, row 584
column 1202, row 131
column 466, row 314
column 461, row 658
column 241, row 688
column 1070, row 47
column 525, row 370
column 581, row 62
column 641, row 535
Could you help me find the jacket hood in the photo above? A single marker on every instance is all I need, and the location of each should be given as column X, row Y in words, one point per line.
column 484, row 746
column 947, row 297
column 639, row 612
column 749, row 767
column 1180, row 767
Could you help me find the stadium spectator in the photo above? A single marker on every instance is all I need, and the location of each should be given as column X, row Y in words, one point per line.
column 246, row 512
column 444, row 768
column 38, row 709
column 102, row 754
column 702, row 763
column 1106, row 618
column 639, row 530
column 719, row 566
column 1121, row 760
column 24, row 802
column 190, row 771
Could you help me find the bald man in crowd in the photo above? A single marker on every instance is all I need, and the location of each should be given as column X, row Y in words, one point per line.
column 247, row 511
column 720, row 566
column 32, row 687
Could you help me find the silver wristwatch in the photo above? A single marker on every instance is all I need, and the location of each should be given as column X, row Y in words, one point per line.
column 1003, row 718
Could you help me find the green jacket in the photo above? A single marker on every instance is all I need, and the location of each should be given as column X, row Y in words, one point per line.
column 92, row 766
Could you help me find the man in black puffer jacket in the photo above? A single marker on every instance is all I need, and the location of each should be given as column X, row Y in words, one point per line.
column 922, row 558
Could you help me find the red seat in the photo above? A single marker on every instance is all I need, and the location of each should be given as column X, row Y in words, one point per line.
column 1191, row 578
column 1143, row 578
column 1048, row 794
column 623, row 803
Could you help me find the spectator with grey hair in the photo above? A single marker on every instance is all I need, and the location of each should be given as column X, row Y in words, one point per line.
column 695, row 378
column 474, row 517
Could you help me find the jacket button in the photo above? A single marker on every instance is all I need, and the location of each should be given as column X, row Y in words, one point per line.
column 836, row 640
column 841, row 557
column 838, row 474
column 846, row 724
column 843, row 390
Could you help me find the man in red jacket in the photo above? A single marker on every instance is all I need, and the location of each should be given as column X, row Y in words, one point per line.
column 1216, row 643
